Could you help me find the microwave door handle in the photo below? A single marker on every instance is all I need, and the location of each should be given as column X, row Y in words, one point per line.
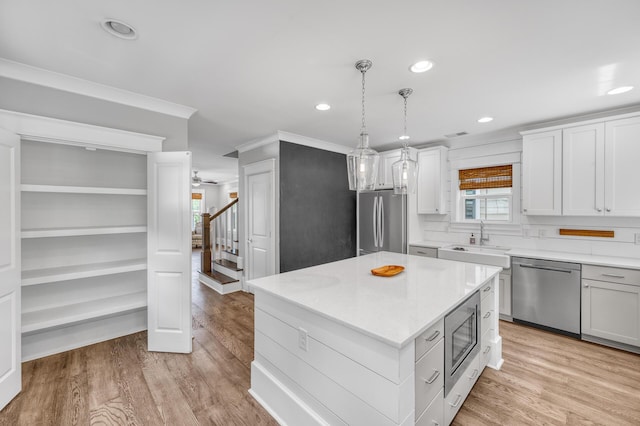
column 375, row 224
column 381, row 219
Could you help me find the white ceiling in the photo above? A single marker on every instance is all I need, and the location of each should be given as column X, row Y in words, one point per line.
column 253, row 67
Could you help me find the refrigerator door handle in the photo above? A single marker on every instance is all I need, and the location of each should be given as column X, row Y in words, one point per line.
column 375, row 224
column 381, row 222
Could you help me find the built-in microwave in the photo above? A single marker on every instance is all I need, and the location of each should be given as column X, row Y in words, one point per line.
column 460, row 339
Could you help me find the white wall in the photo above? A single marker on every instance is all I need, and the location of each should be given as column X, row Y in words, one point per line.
column 533, row 232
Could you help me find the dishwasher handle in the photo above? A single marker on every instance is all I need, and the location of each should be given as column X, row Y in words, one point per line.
column 545, row 268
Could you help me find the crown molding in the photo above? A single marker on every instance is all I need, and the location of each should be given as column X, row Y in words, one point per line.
column 45, row 129
column 293, row 138
column 41, row 77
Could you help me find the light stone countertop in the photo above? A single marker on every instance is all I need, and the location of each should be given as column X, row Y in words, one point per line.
column 394, row 310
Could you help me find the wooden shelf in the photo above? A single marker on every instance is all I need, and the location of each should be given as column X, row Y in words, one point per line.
column 69, row 314
column 49, row 275
column 73, row 232
column 82, row 190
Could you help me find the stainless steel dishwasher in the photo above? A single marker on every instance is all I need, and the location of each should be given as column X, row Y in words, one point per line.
column 547, row 294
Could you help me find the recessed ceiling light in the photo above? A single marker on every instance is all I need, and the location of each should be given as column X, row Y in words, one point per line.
column 404, row 137
column 421, row 66
column 119, row 29
column 619, row 90
column 323, row 107
column 485, row 119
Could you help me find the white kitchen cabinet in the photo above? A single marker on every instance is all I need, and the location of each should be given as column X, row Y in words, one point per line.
column 611, row 304
column 423, row 251
column 542, row 173
column 432, row 169
column 621, row 160
column 387, row 158
column 505, row 294
column 583, row 170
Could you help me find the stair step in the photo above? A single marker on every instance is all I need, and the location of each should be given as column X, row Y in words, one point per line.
column 221, row 278
column 229, row 264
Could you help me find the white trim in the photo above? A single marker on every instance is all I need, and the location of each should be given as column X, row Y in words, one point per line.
column 488, row 161
column 67, row 83
column 47, row 129
column 294, row 138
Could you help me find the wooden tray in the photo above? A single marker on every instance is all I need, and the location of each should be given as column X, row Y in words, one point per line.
column 387, row 270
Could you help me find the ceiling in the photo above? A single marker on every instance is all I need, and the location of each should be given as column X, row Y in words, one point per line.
column 253, row 67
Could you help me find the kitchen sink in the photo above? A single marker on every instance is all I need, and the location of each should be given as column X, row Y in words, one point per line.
column 485, row 255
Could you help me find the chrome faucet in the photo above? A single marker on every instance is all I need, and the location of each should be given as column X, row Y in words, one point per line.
column 482, row 237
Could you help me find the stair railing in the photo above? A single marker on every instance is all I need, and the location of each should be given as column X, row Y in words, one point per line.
column 219, row 232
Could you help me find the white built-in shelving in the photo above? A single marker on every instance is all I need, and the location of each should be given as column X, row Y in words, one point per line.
column 66, row 315
column 74, row 272
column 84, row 225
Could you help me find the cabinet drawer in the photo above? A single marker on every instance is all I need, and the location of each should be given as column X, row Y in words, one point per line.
column 458, row 394
column 434, row 414
column 423, row 251
column 429, row 376
column 614, row 275
column 429, row 338
column 485, row 348
column 487, row 311
column 486, row 290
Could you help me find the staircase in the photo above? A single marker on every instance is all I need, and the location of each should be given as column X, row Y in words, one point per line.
column 220, row 256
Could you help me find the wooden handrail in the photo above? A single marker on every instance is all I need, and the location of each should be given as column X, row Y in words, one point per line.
column 225, row 208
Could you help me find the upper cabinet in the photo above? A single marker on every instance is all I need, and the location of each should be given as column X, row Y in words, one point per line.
column 387, row 158
column 432, row 169
column 582, row 170
column 542, row 173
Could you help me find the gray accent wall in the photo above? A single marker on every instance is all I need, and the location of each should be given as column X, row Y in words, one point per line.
column 317, row 210
column 47, row 102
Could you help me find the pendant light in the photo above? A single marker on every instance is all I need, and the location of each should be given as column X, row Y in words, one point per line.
column 362, row 162
column 405, row 170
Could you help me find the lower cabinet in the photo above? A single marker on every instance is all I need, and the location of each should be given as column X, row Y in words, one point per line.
column 423, row 251
column 458, row 394
column 611, row 304
column 434, row 414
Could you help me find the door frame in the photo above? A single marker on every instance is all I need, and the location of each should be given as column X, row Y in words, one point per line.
column 260, row 167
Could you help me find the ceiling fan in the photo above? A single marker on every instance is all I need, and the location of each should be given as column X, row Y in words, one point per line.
column 197, row 180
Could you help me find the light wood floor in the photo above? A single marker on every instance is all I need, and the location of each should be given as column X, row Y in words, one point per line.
column 546, row 379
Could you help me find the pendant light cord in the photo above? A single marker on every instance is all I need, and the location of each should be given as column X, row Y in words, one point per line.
column 364, row 127
column 404, row 142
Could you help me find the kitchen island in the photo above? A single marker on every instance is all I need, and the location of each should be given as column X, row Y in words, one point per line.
column 336, row 345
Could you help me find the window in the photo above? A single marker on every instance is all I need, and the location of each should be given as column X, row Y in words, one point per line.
column 197, row 204
column 486, row 194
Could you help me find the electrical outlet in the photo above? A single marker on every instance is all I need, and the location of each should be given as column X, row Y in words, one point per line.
column 303, row 339
column 637, row 238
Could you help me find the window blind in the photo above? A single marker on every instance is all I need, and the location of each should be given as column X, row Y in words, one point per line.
column 486, row 177
column 196, row 196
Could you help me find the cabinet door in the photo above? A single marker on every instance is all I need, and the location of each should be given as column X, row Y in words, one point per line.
column 10, row 305
column 169, row 251
column 385, row 177
column 542, row 173
column 583, row 170
column 505, row 294
column 621, row 160
column 430, row 169
column 611, row 311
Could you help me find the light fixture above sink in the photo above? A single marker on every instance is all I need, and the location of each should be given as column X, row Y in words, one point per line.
column 485, row 255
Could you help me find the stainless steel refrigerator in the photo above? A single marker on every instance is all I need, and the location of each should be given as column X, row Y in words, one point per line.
column 382, row 222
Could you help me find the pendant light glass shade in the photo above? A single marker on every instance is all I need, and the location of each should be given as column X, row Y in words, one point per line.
column 404, row 171
column 362, row 166
column 362, row 162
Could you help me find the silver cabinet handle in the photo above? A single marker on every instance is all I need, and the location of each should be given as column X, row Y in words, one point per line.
column 420, row 252
column 435, row 423
column 524, row 210
column 586, row 286
column 598, row 209
column 486, row 350
column 474, row 374
column 487, row 315
column 433, row 336
column 433, row 377
column 457, row 401
column 613, row 276
column 607, row 209
column 249, row 240
column 486, row 289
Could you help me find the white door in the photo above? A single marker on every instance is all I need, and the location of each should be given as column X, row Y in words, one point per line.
column 10, row 367
column 169, row 251
column 260, row 218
